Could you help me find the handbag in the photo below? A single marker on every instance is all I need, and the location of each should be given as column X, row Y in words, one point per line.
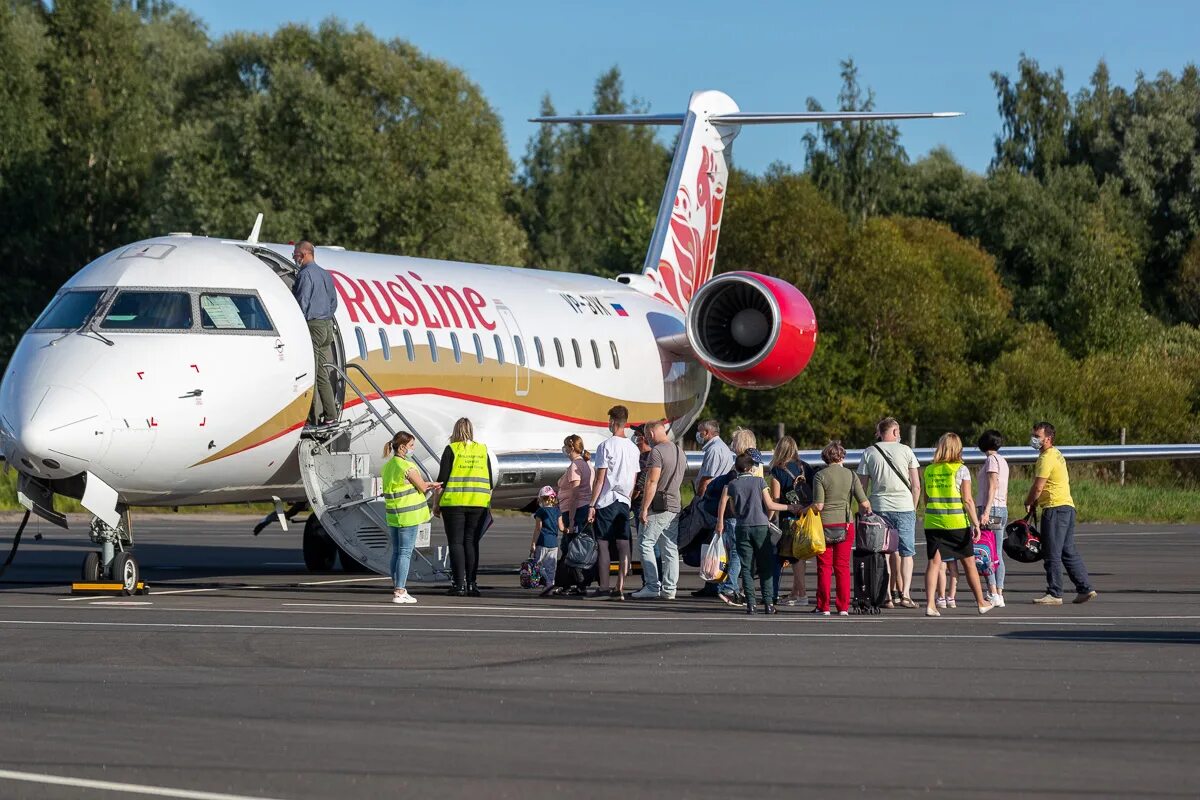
column 1022, row 542
column 808, row 536
column 582, row 551
column 835, row 534
column 776, row 533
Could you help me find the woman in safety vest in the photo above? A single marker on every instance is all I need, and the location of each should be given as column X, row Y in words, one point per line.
column 951, row 525
column 404, row 497
column 462, row 503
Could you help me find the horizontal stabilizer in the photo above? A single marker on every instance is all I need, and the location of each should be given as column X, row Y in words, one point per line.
column 748, row 117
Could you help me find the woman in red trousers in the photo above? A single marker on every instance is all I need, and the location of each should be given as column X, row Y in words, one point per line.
column 835, row 491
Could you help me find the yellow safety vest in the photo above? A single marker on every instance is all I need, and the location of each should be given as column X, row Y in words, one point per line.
column 406, row 505
column 943, row 501
column 469, row 483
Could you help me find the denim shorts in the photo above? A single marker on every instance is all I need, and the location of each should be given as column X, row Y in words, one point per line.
column 906, row 523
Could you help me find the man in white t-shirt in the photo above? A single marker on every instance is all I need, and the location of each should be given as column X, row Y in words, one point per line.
column 616, row 465
column 890, row 473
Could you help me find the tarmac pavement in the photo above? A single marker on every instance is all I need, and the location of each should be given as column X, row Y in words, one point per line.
column 243, row 676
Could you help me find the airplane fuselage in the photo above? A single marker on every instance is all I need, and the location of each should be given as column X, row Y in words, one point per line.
column 202, row 395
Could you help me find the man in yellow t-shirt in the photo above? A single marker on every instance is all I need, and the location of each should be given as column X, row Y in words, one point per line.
column 1051, row 493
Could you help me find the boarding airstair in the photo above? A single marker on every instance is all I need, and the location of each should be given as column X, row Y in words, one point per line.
column 344, row 491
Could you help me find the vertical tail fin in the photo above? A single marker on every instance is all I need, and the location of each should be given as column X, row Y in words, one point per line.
column 683, row 249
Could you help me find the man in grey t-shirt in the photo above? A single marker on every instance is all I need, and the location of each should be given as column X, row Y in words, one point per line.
column 889, row 471
column 661, row 527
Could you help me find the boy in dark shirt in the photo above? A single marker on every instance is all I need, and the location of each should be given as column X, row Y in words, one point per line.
column 747, row 499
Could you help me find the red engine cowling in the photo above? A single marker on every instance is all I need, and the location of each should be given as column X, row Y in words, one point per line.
column 751, row 330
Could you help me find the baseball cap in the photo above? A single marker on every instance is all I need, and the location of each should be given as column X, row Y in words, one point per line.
column 547, row 491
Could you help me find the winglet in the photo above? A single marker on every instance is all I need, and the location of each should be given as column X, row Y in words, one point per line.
column 253, row 237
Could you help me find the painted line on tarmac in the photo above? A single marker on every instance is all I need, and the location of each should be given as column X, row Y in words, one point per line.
column 428, row 605
column 114, row 786
column 1056, row 624
column 121, row 603
column 183, row 591
column 345, row 580
column 505, row 631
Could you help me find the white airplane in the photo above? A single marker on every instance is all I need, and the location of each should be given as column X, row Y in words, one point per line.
column 178, row 370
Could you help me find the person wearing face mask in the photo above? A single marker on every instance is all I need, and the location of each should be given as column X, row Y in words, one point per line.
column 717, row 463
column 575, row 485
column 404, row 493
column 1051, row 493
column 314, row 293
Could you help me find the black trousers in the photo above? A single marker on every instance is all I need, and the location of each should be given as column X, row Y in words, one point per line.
column 464, row 528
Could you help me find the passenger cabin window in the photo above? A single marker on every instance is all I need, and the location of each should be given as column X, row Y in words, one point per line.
column 69, row 310
column 137, row 310
column 520, row 348
column 578, row 354
column 362, row 343
column 499, row 349
column 478, row 347
column 432, row 347
column 541, row 356
column 385, row 344
column 562, row 362
column 457, row 349
column 596, row 354
column 233, row 312
column 616, row 358
column 408, row 346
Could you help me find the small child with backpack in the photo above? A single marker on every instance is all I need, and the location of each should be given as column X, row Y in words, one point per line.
column 543, row 547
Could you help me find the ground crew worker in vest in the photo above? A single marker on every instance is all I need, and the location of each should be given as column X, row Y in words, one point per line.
column 462, row 503
column 951, row 524
column 404, row 493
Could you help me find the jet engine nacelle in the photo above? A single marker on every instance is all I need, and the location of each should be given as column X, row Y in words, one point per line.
column 751, row 330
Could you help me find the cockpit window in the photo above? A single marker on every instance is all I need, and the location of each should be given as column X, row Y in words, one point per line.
column 69, row 310
column 230, row 312
column 149, row 310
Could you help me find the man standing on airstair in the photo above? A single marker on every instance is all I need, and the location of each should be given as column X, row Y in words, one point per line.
column 317, row 299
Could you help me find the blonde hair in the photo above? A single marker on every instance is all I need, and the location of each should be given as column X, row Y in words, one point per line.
column 785, row 452
column 574, row 443
column 742, row 440
column 949, row 449
column 463, row 432
column 548, row 501
column 399, row 440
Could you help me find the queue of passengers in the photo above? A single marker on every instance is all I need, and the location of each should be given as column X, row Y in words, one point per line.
column 632, row 485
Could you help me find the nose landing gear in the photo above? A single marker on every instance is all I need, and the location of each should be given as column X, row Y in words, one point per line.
column 113, row 562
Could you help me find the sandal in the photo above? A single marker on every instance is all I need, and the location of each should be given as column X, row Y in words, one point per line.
column 907, row 602
column 729, row 601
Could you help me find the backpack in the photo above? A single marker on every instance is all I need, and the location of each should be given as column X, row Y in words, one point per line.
column 870, row 533
column 531, row 575
column 582, row 551
column 1022, row 542
column 985, row 553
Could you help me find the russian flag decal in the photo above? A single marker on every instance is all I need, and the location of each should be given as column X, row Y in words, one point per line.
column 621, row 312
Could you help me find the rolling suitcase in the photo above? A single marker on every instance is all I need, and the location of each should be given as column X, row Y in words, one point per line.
column 870, row 582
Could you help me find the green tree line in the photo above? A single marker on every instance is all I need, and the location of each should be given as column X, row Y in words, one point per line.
column 1064, row 282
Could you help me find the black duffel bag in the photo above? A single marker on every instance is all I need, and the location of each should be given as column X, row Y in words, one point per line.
column 1022, row 542
column 581, row 551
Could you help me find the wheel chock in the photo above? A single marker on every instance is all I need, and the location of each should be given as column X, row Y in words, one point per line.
column 107, row 587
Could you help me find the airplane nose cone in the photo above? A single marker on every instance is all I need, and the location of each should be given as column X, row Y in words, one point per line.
column 56, row 435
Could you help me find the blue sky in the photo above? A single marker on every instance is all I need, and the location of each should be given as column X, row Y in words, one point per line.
column 769, row 56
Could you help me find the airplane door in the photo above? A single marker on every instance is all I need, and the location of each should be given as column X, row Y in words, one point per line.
column 520, row 354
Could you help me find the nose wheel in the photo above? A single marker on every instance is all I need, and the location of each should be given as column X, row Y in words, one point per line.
column 113, row 561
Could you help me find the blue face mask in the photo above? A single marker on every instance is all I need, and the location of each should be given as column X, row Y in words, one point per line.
column 1036, row 443
column 699, row 438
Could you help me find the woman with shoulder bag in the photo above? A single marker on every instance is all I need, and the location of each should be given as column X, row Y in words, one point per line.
column 835, row 494
column 791, row 483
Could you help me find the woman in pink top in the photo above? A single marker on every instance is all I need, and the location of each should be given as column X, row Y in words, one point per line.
column 991, row 500
column 575, row 486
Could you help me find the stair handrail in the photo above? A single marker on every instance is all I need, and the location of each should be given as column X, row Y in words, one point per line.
column 391, row 406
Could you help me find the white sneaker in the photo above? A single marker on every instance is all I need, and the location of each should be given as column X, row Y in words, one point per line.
column 796, row 601
column 824, row 613
column 666, row 595
column 644, row 593
column 1048, row 600
column 998, row 600
column 843, row 613
column 403, row 599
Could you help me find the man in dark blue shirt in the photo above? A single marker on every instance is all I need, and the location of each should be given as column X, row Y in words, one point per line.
column 318, row 301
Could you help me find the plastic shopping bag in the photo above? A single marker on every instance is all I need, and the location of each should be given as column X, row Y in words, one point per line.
column 808, row 536
column 714, row 560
